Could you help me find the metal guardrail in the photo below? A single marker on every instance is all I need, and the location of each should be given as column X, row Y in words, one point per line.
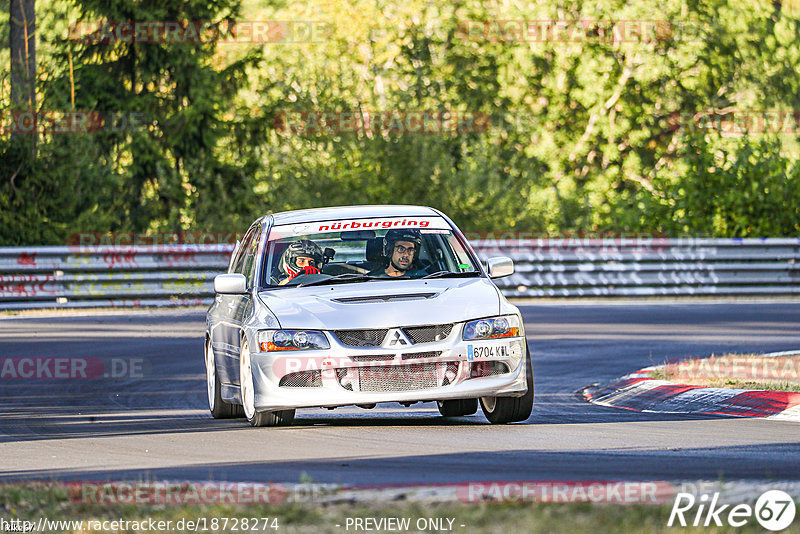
column 177, row 275
column 107, row 276
column 649, row 267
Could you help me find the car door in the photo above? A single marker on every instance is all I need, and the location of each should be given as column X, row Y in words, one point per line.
column 225, row 336
column 241, row 306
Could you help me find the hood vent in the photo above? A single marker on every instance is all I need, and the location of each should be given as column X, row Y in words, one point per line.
column 384, row 298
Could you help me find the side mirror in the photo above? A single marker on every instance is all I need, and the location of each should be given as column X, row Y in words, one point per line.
column 499, row 267
column 230, row 284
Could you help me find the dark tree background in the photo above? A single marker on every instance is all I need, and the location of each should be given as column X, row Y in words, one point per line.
column 586, row 135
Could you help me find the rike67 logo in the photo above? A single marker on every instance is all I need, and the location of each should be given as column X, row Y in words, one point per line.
column 774, row 510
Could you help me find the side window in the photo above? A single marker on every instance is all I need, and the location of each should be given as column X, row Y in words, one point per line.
column 464, row 263
column 238, row 262
column 250, row 256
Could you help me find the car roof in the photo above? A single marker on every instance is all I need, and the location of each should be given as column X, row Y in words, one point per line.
column 351, row 212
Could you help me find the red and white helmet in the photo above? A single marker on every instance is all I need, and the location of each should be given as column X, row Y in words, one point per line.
column 303, row 248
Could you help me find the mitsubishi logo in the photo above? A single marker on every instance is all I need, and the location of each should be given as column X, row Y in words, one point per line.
column 395, row 336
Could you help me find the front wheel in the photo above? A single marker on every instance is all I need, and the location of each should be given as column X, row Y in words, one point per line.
column 247, row 391
column 457, row 407
column 217, row 406
column 500, row 410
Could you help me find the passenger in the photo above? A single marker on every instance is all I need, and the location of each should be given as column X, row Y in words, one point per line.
column 402, row 248
column 301, row 257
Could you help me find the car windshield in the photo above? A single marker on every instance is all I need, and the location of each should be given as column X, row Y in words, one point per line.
column 351, row 251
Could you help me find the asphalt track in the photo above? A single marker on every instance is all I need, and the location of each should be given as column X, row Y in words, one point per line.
column 155, row 426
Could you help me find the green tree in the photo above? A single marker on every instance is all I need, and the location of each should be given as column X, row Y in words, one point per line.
column 588, row 132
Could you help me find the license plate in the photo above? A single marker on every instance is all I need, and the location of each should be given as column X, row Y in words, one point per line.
column 487, row 351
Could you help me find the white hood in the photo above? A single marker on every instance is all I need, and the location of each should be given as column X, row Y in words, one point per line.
column 383, row 303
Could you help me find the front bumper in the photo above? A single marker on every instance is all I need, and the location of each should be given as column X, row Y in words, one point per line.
column 446, row 371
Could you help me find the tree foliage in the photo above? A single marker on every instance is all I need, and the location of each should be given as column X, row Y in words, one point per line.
column 587, row 133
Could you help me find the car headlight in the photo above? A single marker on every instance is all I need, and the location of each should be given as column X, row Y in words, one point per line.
column 275, row 340
column 492, row 328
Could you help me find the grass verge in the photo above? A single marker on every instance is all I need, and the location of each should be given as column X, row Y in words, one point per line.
column 32, row 501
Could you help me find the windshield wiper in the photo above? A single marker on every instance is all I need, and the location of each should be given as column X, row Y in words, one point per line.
column 445, row 274
column 344, row 277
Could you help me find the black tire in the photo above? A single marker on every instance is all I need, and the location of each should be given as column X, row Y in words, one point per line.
column 501, row 410
column 279, row 418
column 457, row 407
column 216, row 405
column 256, row 418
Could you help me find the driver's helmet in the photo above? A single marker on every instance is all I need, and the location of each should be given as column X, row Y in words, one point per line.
column 393, row 236
column 303, row 247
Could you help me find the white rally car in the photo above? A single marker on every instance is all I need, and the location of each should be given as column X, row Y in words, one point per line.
column 360, row 305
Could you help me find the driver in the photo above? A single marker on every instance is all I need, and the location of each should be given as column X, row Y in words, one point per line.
column 301, row 257
column 402, row 248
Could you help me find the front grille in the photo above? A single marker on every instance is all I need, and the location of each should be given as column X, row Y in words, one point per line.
column 361, row 338
column 398, row 377
column 302, row 379
column 417, row 355
column 392, row 377
column 427, row 334
column 373, row 358
column 374, row 337
column 483, row 369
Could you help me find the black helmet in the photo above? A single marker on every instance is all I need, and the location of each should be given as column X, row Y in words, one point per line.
column 305, row 248
column 393, row 236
